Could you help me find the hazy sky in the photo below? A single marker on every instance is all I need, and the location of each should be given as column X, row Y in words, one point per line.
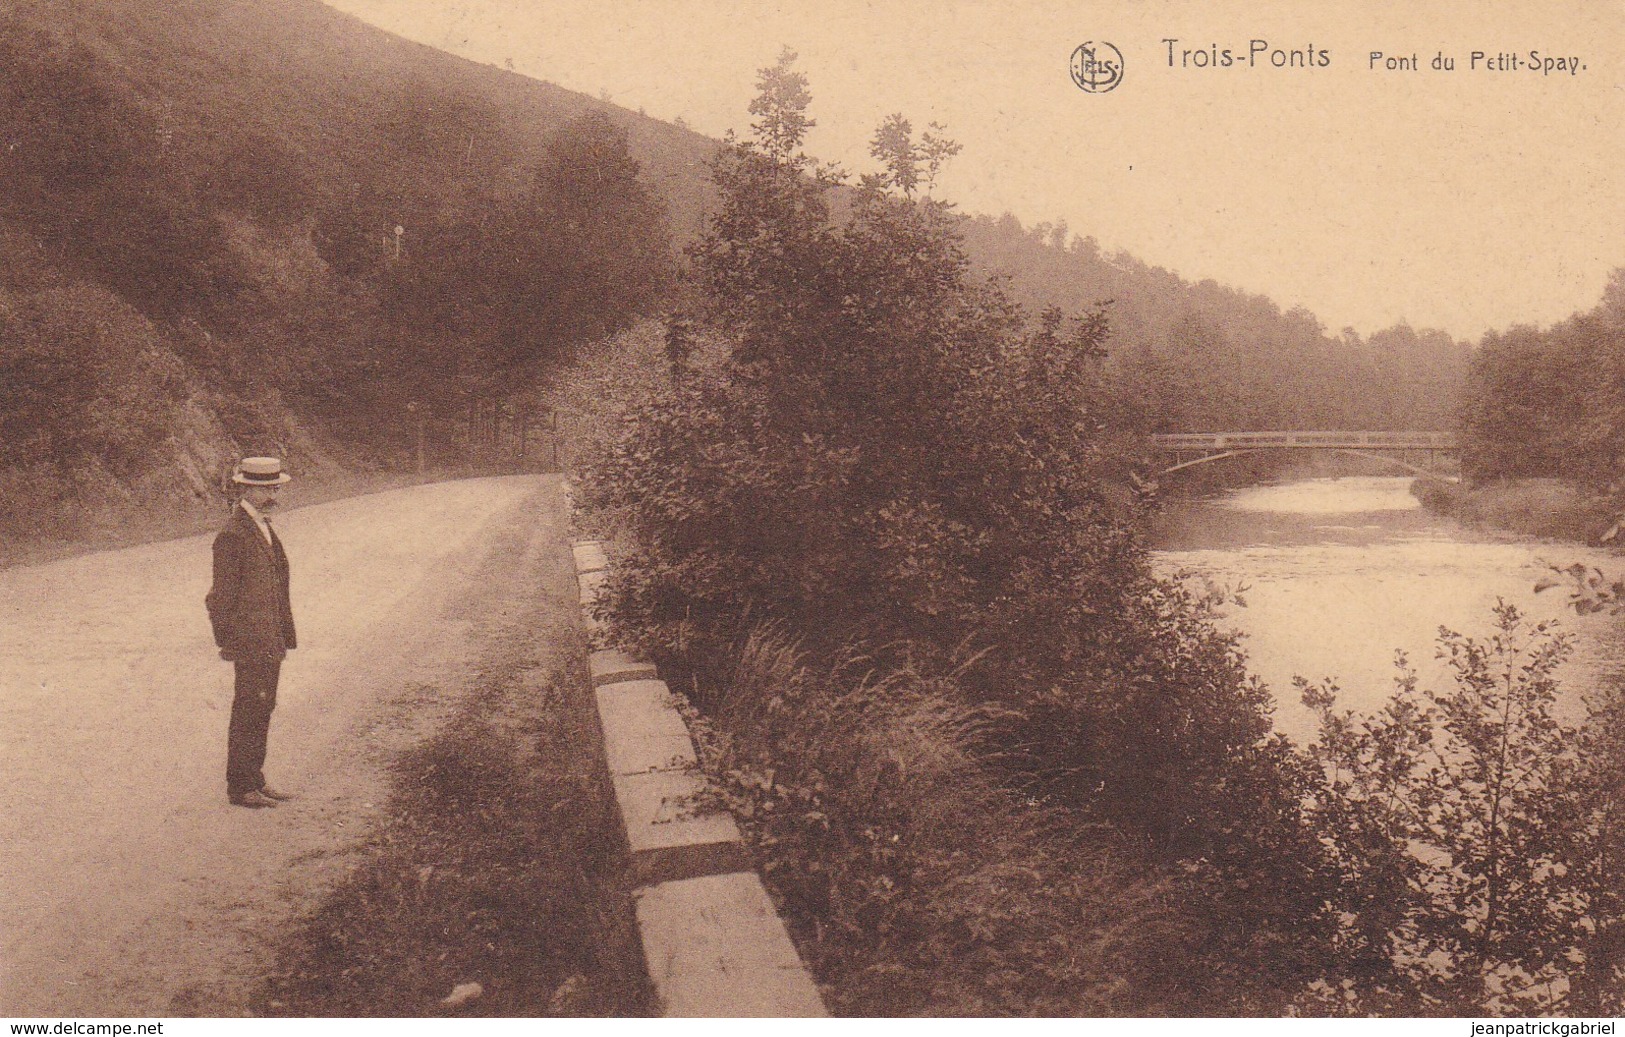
column 1467, row 199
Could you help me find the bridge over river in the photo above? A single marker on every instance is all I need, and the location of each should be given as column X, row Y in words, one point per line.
column 1189, row 449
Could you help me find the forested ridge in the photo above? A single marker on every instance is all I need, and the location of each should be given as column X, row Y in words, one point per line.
column 1208, row 357
column 199, row 217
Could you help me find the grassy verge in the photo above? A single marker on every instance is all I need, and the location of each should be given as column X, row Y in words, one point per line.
column 1546, row 508
column 501, row 862
column 490, row 873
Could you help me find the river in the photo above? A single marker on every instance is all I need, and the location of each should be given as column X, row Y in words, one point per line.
column 1340, row 573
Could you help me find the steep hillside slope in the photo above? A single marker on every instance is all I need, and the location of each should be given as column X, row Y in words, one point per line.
column 218, row 74
column 199, row 203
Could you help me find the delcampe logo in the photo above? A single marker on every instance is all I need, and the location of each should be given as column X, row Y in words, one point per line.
column 1097, row 67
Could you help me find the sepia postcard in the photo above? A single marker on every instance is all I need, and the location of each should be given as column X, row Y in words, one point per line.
column 875, row 508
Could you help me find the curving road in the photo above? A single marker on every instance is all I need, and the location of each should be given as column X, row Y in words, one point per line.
column 128, row 886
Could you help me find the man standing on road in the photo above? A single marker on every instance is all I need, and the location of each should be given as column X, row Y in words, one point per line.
column 252, row 618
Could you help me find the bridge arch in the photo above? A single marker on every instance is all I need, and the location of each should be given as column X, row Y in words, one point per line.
column 1371, row 454
column 1380, row 446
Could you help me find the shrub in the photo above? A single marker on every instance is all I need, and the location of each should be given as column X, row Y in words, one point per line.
column 84, row 378
column 884, row 452
column 1478, row 837
column 889, row 451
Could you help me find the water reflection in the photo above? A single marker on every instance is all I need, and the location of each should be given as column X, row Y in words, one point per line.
column 1341, row 573
column 1325, row 497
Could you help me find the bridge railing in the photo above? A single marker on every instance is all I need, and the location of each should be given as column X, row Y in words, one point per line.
column 1304, row 440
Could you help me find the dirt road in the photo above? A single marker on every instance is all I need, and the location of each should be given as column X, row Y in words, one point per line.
column 128, row 886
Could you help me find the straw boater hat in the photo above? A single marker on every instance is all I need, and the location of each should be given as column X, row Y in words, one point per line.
column 260, row 471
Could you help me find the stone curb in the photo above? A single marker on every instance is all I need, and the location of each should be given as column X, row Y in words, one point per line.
column 611, row 666
column 714, row 944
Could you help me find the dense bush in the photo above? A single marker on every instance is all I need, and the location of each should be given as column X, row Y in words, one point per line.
column 1478, row 838
column 917, row 883
column 83, row 377
column 520, row 279
column 885, row 452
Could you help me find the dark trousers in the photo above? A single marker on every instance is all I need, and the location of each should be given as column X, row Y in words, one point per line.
column 250, row 724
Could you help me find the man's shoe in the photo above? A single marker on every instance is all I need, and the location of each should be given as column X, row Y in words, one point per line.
column 252, row 800
column 269, row 793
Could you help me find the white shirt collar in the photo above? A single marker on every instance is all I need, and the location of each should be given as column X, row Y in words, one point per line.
column 259, row 520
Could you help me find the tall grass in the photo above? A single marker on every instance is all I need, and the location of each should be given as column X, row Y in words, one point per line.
column 915, row 882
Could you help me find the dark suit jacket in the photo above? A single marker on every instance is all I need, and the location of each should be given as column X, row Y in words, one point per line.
column 248, row 603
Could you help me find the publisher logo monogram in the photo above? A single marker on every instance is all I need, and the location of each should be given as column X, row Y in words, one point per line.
column 1097, row 67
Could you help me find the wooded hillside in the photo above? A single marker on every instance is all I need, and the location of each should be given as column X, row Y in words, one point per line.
column 243, row 225
column 200, row 208
column 1206, row 357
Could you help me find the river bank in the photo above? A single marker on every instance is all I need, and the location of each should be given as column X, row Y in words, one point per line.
column 1546, row 508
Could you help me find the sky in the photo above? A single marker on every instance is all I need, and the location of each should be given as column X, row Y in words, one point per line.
column 1367, row 190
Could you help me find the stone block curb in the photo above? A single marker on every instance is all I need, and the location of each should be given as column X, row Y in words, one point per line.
column 590, row 557
column 612, row 665
column 716, row 948
column 673, row 863
column 589, row 584
column 640, row 733
column 713, row 942
column 658, row 810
